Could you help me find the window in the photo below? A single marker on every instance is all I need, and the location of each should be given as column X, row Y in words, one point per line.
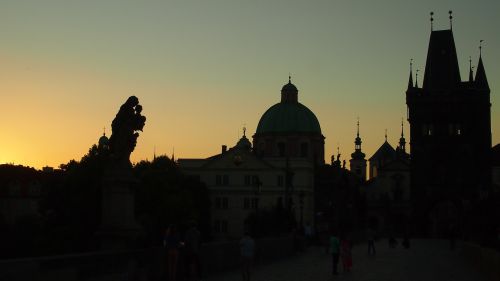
column 225, row 180
column 280, row 180
column 304, row 149
column 281, row 149
column 251, row 180
column 224, row 226
column 217, row 226
column 218, row 203
column 225, row 203
column 455, row 129
column 248, row 180
column 218, row 180
column 427, row 130
column 222, row 180
column 246, row 203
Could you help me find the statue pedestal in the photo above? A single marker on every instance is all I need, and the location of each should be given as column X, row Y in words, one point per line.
column 119, row 229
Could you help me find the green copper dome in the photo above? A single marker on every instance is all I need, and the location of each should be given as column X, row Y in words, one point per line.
column 288, row 117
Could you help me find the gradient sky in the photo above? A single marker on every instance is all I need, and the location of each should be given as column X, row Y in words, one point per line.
column 202, row 69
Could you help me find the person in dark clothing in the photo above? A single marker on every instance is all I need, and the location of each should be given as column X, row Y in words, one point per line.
column 192, row 242
column 171, row 242
column 335, row 251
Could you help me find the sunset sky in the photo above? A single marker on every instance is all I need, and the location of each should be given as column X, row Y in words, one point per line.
column 203, row 69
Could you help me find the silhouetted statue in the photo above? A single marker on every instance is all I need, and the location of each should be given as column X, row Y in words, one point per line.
column 125, row 127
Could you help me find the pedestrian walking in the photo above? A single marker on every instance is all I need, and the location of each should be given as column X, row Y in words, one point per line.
column 346, row 254
column 371, row 241
column 171, row 242
column 335, row 251
column 247, row 250
column 192, row 241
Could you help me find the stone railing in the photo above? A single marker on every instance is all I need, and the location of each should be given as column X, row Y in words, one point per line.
column 144, row 264
column 487, row 260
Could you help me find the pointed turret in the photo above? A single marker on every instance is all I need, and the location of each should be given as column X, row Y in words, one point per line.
column 357, row 154
column 471, row 72
column 410, row 80
column 481, row 81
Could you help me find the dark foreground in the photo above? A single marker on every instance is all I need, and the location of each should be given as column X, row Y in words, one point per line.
column 425, row 260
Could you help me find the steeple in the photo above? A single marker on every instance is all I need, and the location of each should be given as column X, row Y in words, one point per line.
column 357, row 141
column 402, row 140
column 410, row 80
column 481, row 81
column 357, row 154
column 416, row 78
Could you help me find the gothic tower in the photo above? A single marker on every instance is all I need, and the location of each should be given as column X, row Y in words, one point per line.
column 358, row 161
column 450, row 129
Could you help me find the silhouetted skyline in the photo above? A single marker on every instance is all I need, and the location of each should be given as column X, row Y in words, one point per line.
column 204, row 70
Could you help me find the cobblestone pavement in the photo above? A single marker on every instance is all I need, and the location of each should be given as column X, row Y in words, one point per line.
column 425, row 260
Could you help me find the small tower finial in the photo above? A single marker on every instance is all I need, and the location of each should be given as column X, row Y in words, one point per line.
column 416, row 78
column 385, row 134
column 410, row 79
column 402, row 127
column 471, row 72
column 104, row 131
column 480, row 47
column 244, row 130
column 154, row 152
column 451, row 19
column 289, row 78
column 357, row 134
column 432, row 20
column 173, row 153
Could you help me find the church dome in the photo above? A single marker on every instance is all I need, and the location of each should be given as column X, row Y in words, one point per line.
column 244, row 143
column 103, row 140
column 288, row 116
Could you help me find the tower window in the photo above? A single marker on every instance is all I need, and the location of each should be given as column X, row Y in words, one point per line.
column 455, row 129
column 427, row 130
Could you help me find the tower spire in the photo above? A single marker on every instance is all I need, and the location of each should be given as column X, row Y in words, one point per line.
column 357, row 134
column 481, row 80
column 410, row 80
column 357, row 141
column 402, row 140
column 386, row 135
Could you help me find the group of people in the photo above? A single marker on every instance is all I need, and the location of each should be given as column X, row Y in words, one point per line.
column 340, row 249
column 191, row 247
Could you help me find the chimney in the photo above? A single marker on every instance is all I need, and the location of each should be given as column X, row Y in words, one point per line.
column 224, row 148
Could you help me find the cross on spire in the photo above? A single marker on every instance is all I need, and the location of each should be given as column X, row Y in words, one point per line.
column 432, row 19
column 451, row 19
